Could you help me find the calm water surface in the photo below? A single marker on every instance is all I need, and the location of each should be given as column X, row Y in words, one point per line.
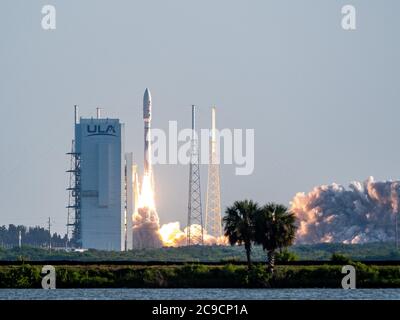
column 184, row 294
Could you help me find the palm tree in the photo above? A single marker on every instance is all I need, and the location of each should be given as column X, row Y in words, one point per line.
column 239, row 224
column 275, row 228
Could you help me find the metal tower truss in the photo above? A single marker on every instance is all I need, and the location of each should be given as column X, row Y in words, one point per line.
column 213, row 204
column 195, row 216
column 74, row 199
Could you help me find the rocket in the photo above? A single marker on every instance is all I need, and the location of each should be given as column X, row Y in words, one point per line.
column 147, row 131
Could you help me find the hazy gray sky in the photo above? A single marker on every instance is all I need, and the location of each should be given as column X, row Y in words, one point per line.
column 324, row 102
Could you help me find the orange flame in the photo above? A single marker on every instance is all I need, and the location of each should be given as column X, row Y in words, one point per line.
column 146, row 197
column 173, row 236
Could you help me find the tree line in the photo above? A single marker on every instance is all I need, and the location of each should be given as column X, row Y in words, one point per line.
column 33, row 236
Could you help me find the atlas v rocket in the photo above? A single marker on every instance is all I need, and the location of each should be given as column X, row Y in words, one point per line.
column 147, row 132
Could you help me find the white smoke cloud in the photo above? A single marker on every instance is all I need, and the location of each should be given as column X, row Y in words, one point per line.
column 145, row 230
column 173, row 236
column 364, row 212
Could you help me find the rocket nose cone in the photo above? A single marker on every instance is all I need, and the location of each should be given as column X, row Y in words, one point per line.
column 147, row 96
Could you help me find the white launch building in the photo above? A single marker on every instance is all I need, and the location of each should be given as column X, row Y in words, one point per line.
column 105, row 197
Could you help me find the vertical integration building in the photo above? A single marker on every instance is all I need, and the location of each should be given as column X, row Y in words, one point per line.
column 103, row 185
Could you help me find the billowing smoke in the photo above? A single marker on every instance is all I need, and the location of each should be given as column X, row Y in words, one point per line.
column 146, row 223
column 146, row 229
column 173, row 236
column 364, row 212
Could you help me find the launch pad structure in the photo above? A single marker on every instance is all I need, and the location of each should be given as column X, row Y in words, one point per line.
column 106, row 210
column 213, row 201
column 195, row 213
column 100, row 198
column 74, row 194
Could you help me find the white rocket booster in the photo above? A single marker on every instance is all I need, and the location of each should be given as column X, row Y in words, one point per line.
column 147, row 132
column 146, row 222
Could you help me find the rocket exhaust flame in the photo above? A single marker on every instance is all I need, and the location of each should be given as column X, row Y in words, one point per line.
column 146, row 198
column 146, row 223
column 365, row 212
column 173, row 236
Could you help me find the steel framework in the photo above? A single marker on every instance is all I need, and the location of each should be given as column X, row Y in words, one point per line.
column 195, row 216
column 213, row 203
column 74, row 199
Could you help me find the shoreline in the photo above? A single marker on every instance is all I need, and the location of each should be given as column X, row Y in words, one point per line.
column 194, row 275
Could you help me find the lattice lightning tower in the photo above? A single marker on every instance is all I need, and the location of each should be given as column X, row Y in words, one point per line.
column 213, row 204
column 195, row 216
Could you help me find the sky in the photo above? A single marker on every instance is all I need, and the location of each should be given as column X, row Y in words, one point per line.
column 324, row 102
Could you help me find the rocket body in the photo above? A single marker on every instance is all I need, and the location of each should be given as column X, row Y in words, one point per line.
column 146, row 222
column 147, row 132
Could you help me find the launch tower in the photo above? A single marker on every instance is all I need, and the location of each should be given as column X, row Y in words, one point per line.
column 213, row 202
column 195, row 216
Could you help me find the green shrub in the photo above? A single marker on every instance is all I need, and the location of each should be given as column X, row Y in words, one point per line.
column 24, row 276
column 286, row 256
column 258, row 277
column 340, row 259
column 201, row 276
column 154, row 278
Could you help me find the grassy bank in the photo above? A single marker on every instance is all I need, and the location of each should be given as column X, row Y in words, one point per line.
column 199, row 276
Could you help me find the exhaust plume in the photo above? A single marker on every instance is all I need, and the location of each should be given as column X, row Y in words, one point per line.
column 173, row 236
column 364, row 212
column 146, row 223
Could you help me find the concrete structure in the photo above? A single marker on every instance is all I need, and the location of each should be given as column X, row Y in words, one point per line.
column 105, row 181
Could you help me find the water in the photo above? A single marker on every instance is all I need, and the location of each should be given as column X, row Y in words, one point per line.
column 199, row 294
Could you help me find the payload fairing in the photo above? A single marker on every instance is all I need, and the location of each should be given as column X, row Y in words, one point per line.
column 147, row 132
